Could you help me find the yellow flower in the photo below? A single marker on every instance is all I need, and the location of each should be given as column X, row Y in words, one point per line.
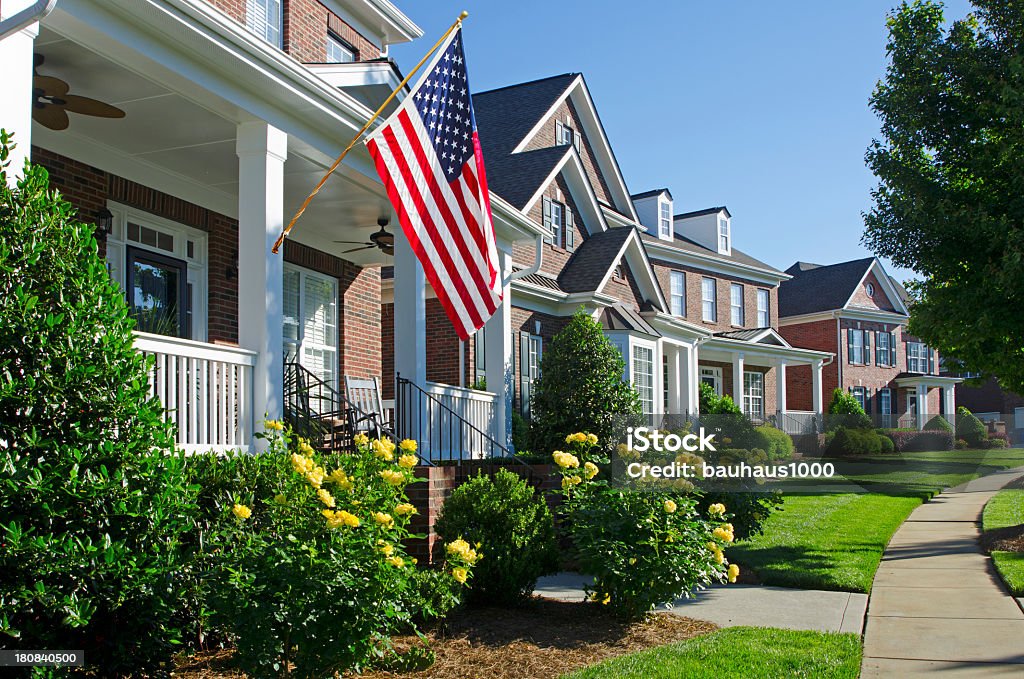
column 273, row 425
column 328, row 513
column 592, row 439
column 305, row 448
column 565, row 460
column 591, row 469
column 325, row 497
column 301, row 464
column 396, row 561
column 670, row 507
column 392, row 477
column 716, row 509
column 385, row 548
column 281, row 499
column 316, row 476
column 461, row 549
column 382, row 450
column 342, row 518
column 407, row 461
column 241, row 511
column 383, row 519
column 408, row 445
column 460, row 574
column 338, row 476
column 603, row 600
column 723, row 534
column 405, row 509
column 719, row 555
column 570, row 481
column 734, row 572
column 360, row 439
column 578, row 437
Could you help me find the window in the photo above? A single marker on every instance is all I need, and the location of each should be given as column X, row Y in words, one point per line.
column 339, row 51
column 885, row 349
column 678, row 293
column 736, row 304
column 713, row 378
column 861, row 394
column 311, row 322
column 530, row 349
column 480, row 358
column 709, row 299
column 723, row 236
column 566, row 136
column 560, row 222
column 918, row 358
column 764, row 317
column 885, row 401
column 263, row 17
column 753, row 395
column 855, row 346
column 665, row 220
column 870, row 289
column 157, row 290
column 620, row 271
column 643, row 377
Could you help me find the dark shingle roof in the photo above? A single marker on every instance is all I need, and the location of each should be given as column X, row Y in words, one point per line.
column 506, row 115
column 518, row 176
column 745, row 335
column 652, row 192
column 687, row 245
column 592, row 260
column 814, row 288
column 621, row 317
column 700, row 213
column 538, row 279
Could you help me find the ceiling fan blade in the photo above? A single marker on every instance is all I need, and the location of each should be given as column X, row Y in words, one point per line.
column 50, row 116
column 389, row 251
column 368, row 247
column 90, row 107
column 353, row 242
column 51, row 87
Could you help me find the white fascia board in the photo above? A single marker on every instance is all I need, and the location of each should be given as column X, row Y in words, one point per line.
column 530, row 298
column 808, row 318
column 358, row 74
column 873, row 315
column 378, row 18
column 576, row 178
column 672, row 328
column 767, row 350
column 666, row 252
column 543, row 120
column 887, row 285
column 614, row 217
column 928, row 380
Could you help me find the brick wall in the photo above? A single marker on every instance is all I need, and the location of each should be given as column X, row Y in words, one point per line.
column 694, row 308
column 555, row 257
column 879, row 300
column 988, row 397
column 820, row 336
column 625, row 289
column 442, row 347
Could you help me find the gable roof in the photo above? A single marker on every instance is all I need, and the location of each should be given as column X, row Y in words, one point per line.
column 815, row 288
column 693, row 247
column 586, row 269
column 621, row 317
column 506, row 115
column 652, row 192
column 519, row 176
column 701, row 213
column 756, row 336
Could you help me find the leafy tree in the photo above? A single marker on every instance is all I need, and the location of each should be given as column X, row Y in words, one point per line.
column 846, row 411
column 950, row 167
column 92, row 504
column 581, row 388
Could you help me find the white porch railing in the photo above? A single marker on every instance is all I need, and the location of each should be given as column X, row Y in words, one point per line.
column 206, row 391
column 450, row 423
column 795, row 422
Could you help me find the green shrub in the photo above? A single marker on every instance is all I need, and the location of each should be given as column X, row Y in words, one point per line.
column 888, row 447
column 845, row 411
column 970, row 428
column 853, row 442
column 713, row 404
column 778, row 444
column 92, row 502
column 938, row 423
column 514, row 521
column 998, row 443
column 581, row 387
column 308, row 567
column 644, row 548
column 961, row 444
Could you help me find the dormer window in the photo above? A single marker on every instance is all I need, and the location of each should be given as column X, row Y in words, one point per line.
column 724, row 247
column 566, row 136
column 263, row 17
column 665, row 219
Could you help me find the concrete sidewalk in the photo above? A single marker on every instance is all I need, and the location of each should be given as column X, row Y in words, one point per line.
column 937, row 604
column 747, row 605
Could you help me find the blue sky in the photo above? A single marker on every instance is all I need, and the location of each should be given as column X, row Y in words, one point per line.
column 762, row 107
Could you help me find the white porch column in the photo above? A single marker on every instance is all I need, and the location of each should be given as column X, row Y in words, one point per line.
column 922, row 404
column 677, row 392
column 949, row 394
column 410, row 313
column 262, row 150
column 693, row 379
column 816, row 405
column 780, row 386
column 498, row 357
column 737, row 379
column 16, row 104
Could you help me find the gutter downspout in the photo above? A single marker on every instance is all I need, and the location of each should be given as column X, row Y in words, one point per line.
column 535, row 267
column 31, row 14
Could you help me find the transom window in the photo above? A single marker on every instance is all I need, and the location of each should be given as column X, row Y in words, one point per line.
column 643, row 377
column 263, row 17
column 709, row 299
column 665, row 219
column 764, row 318
column 678, row 293
column 736, row 304
column 339, row 51
column 311, row 322
column 753, row 395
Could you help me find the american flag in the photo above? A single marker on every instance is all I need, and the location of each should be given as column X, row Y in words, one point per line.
column 428, row 156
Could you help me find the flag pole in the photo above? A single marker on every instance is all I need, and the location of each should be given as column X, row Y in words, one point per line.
column 355, row 139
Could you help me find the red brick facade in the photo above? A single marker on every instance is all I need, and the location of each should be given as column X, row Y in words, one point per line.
column 694, row 307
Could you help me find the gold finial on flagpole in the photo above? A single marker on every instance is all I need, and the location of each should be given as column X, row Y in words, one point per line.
column 463, row 15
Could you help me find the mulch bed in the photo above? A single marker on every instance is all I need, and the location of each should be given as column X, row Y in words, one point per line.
column 541, row 639
column 1009, row 539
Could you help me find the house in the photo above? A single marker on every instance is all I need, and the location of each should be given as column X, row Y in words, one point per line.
column 856, row 311
column 681, row 304
column 212, row 121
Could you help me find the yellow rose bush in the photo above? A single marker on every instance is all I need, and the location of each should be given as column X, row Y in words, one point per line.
column 308, row 567
column 644, row 548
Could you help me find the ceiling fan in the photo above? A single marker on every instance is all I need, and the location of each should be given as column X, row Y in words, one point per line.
column 378, row 239
column 52, row 101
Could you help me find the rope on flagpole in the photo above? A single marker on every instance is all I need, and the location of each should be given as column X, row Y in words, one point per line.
column 355, row 139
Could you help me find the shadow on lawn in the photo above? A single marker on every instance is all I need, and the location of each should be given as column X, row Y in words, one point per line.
column 802, row 567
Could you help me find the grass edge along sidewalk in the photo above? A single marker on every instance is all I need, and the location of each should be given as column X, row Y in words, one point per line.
column 835, row 541
column 740, row 653
column 1006, row 510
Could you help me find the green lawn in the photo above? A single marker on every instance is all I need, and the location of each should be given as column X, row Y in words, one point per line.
column 1005, row 509
column 835, row 540
column 1011, row 568
column 740, row 653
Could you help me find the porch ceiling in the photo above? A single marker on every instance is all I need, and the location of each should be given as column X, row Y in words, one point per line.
column 182, row 142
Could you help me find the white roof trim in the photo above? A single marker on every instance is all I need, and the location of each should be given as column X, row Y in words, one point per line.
column 667, row 251
column 648, row 281
column 581, row 178
column 883, row 279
